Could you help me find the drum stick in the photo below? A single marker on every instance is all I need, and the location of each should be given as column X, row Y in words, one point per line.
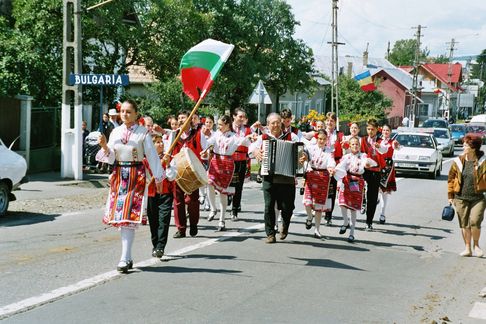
column 185, row 125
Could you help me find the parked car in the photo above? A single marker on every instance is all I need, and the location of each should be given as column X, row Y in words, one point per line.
column 13, row 168
column 457, row 131
column 419, row 153
column 444, row 138
column 435, row 123
column 477, row 129
column 480, row 119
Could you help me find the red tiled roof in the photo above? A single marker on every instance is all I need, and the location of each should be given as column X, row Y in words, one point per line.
column 440, row 71
column 406, row 68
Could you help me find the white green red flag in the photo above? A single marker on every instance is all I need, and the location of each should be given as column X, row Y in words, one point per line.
column 201, row 65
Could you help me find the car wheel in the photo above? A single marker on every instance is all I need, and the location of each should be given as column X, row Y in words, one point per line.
column 4, row 198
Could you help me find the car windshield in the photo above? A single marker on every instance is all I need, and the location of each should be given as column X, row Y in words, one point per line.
column 475, row 129
column 441, row 133
column 457, row 128
column 435, row 123
column 412, row 140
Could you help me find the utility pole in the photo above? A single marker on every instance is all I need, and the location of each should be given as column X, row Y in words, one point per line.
column 71, row 137
column 388, row 51
column 414, row 103
column 449, row 79
column 335, row 62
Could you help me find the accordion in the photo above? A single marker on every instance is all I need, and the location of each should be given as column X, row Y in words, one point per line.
column 282, row 158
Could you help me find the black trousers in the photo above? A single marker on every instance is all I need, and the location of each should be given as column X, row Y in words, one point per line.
column 158, row 212
column 332, row 195
column 373, row 181
column 238, row 180
column 284, row 195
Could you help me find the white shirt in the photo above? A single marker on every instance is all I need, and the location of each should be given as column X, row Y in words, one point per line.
column 132, row 145
column 319, row 158
column 226, row 143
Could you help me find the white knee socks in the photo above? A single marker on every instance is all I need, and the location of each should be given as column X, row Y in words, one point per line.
column 318, row 221
column 223, row 203
column 353, row 222
column 344, row 212
column 212, row 198
column 127, row 236
column 383, row 202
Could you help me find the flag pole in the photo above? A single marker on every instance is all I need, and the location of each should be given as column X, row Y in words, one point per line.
column 185, row 125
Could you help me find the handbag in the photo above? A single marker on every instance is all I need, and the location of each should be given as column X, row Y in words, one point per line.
column 448, row 213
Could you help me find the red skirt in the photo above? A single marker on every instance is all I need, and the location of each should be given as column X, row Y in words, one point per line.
column 316, row 190
column 221, row 169
column 352, row 195
column 128, row 195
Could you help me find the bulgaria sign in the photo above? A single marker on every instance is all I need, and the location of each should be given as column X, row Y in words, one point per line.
column 99, row 79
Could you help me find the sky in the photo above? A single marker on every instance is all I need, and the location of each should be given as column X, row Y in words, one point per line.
column 378, row 21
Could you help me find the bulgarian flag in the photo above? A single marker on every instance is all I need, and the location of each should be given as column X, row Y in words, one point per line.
column 365, row 82
column 201, row 65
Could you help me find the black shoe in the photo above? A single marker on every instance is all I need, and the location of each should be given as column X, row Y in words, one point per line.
column 369, row 228
column 382, row 219
column 193, row 230
column 343, row 229
column 234, row 215
column 158, row 253
column 308, row 224
column 259, row 179
column 221, row 227
column 238, row 209
column 179, row 234
column 123, row 266
column 301, row 191
column 351, row 239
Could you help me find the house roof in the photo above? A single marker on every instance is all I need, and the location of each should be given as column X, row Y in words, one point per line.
column 324, row 65
column 441, row 71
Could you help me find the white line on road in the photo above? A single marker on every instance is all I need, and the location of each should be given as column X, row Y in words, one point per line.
column 478, row 311
column 56, row 294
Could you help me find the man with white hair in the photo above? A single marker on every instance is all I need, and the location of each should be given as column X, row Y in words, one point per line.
column 113, row 113
column 276, row 188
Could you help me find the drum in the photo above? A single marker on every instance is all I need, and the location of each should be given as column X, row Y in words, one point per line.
column 191, row 174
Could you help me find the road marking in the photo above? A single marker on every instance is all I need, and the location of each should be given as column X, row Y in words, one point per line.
column 478, row 311
column 56, row 294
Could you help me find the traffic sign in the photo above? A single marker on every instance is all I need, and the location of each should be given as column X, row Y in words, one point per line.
column 99, row 79
column 260, row 95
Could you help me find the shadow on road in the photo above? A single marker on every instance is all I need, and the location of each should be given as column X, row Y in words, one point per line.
column 172, row 269
column 326, row 263
column 18, row 218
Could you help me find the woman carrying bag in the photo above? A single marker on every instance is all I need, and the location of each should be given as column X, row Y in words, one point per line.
column 466, row 186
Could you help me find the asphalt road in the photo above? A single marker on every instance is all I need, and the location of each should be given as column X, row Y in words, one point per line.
column 59, row 269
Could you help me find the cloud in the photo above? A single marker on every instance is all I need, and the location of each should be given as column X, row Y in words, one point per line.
column 378, row 22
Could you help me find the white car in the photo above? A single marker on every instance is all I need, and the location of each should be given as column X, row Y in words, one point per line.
column 445, row 140
column 12, row 173
column 419, row 153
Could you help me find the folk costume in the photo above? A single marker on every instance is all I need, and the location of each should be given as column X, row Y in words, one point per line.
column 334, row 139
column 128, row 190
column 240, row 157
column 388, row 183
column 349, row 172
column 195, row 140
column 159, row 209
column 221, row 170
column 317, row 180
column 277, row 189
column 372, row 175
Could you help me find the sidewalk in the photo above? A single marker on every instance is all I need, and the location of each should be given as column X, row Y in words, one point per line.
column 48, row 185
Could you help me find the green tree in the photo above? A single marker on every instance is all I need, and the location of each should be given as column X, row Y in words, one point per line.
column 262, row 32
column 439, row 59
column 31, row 47
column 355, row 103
column 403, row 52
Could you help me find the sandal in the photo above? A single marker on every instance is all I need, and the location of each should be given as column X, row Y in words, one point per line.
column 308, row 224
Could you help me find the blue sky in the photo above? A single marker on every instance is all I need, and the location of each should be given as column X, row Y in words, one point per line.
column 380, row 21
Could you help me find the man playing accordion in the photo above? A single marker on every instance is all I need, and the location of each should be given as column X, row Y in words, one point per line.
column 276, row 187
